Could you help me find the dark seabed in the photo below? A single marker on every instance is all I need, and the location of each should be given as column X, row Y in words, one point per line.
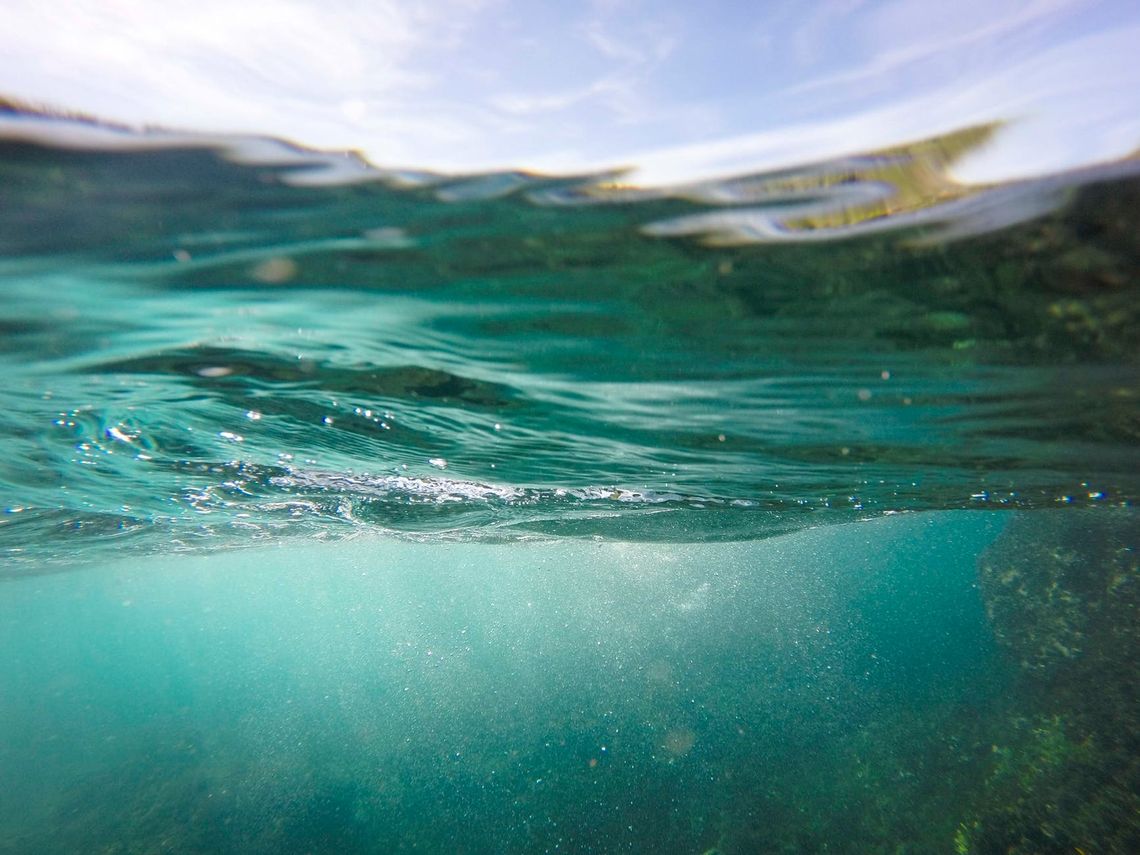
column 787, row 513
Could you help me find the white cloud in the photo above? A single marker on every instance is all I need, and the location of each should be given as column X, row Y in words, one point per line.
column 906, row 32
column 1068, row 106
column 300, row 69
column 629, row 55
column 440, row 86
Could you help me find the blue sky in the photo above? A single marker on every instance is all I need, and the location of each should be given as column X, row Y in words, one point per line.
column 678, row 90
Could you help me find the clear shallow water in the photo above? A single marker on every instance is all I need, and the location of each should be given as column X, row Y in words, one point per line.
column 808, row 496
column 197, row 350
column 557, row 697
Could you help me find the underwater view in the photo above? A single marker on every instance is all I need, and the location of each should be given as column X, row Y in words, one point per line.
column 352, row 508
column 510, row 514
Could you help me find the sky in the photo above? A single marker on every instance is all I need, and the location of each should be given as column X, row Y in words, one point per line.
column 676, row 91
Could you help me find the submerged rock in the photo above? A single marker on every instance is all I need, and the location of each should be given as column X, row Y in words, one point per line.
column 1062, row 591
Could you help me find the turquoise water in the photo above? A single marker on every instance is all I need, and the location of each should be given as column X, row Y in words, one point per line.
column 565, row 697
column 513, row 514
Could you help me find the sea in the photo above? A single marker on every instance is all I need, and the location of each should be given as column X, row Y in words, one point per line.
column 354, row 510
